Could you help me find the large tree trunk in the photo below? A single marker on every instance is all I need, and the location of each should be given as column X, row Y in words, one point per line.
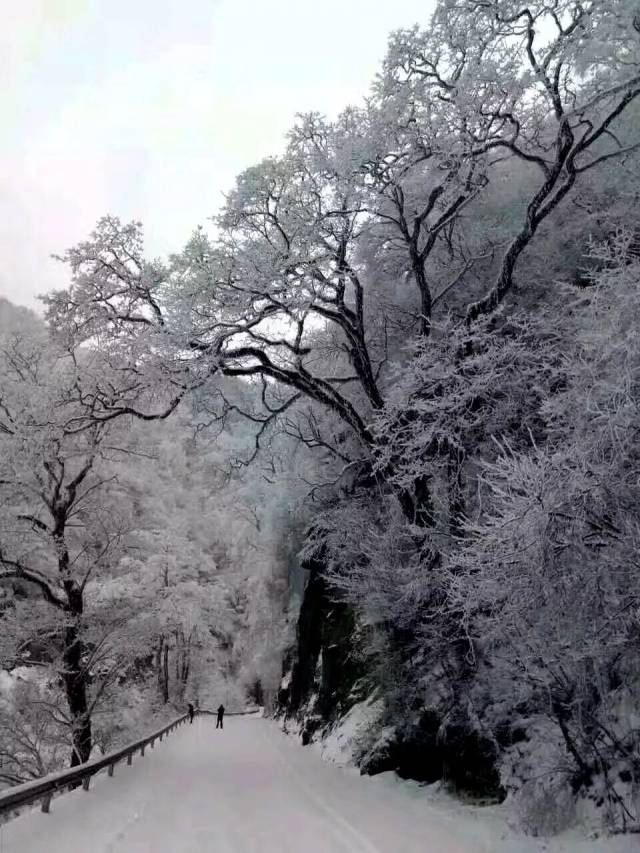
column 419, row 273
column 181, row 663
column 165, row 673
column 178, row 655
column 75, row 677
column 158, row 663
column 162, row 668
column 184, row 663
column 187, row 663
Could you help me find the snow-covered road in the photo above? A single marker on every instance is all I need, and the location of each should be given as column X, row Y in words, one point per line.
column 247, row 789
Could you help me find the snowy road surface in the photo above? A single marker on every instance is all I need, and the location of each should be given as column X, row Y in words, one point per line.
column 247, row 789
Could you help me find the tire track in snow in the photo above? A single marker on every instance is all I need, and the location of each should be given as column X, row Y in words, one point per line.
column 364, row 845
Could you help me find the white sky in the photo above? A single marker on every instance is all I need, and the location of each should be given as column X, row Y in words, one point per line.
column 147, row 109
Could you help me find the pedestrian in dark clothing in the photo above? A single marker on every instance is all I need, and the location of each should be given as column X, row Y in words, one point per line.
column 219, row 722
column 191, row 712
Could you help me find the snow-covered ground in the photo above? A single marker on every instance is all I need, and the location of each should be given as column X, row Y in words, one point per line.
column 497, row 826
column 249, row 788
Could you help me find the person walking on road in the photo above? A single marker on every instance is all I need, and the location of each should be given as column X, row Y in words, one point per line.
column 219, row 721
column 191, row 712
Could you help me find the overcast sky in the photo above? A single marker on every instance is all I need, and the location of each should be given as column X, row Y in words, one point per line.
column 148, row 109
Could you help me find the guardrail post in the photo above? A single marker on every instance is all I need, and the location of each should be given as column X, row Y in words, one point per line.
column 71, row 779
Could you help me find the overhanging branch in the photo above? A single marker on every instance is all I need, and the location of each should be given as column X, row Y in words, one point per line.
column 13, row 569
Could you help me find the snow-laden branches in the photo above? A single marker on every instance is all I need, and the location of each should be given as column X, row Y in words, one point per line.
column 402, row 177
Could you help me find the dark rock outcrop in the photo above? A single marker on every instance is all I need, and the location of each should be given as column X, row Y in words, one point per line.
column 326, row 662
column 327, row 673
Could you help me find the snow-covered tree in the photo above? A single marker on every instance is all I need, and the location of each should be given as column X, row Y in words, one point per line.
column 57, row 530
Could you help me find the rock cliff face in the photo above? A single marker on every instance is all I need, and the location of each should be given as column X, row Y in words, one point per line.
column 327, row 672
column 325, row 664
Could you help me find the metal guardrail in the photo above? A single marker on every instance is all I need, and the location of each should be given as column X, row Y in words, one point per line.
column 246, row 713
column 44, row 789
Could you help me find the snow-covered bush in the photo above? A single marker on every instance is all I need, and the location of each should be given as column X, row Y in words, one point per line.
column 35, row 736
column 547, row 583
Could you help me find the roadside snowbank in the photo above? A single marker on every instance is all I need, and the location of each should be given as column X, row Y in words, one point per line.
column 496, row 827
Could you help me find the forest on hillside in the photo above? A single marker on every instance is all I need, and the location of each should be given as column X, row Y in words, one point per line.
column 374, row 429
